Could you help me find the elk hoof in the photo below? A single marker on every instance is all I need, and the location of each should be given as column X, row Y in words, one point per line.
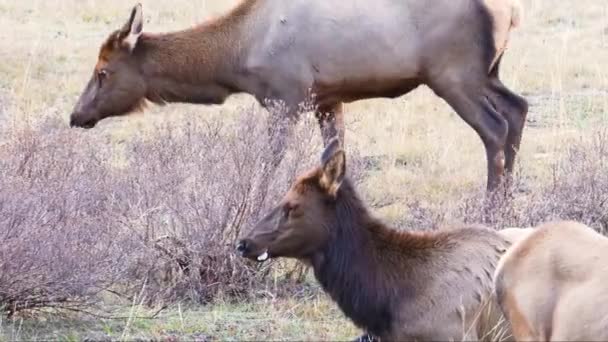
column 366, row 338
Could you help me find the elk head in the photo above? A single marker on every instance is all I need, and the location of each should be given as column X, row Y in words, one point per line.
column 300, row 225
column 117, row 86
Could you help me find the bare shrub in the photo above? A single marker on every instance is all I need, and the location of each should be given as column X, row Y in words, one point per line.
column 577, row 190
column 189, row 190
column 56, row 247
column 81, row 213
column 76, row 220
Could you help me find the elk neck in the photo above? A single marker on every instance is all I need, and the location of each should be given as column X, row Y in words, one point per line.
column 198, row 65
column 368, row 268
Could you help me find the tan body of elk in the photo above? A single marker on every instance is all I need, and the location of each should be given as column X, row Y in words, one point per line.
column 396, row 285
column 552, row 285
column 340, row 51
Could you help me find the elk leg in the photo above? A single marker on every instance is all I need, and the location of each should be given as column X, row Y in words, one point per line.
column 366, row 337
column 491, row 127
column 331, row 122
column 279, row 128
column 514, row 109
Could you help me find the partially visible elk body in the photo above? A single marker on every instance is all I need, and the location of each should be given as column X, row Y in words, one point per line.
column 396, row 285
column 514, row 234
column 339, row 51
column 553, row 284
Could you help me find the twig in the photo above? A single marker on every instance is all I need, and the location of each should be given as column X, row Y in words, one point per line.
column 96, row 315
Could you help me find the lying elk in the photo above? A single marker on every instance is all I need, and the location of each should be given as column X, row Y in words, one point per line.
column 551, row 285
column 397, row 285
column 340, row 51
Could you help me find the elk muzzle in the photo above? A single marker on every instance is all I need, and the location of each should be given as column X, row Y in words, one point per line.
column 80, row 120
column 248, row 249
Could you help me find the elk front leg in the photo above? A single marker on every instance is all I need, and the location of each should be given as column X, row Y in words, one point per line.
column 366, row 337
column 331, row 122
column 279, row 130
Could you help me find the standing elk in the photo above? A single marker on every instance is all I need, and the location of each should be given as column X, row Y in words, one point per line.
column 397, row 285
column 552, row 284
column 339, row 51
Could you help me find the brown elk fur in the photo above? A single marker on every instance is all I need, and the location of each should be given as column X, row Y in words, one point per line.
column 340, row 52
column 397, row 285
column 551, row 285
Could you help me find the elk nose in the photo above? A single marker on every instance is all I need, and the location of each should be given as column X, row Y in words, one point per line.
column 241, row 247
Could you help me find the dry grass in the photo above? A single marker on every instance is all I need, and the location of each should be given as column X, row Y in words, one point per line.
column 424, row 166
column 297, row 319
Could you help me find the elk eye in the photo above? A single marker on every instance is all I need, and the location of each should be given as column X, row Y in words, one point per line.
column 289, row 209
column 102, row 75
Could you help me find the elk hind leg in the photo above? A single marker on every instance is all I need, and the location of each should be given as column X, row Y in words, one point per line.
column 514, row 109
column 491, row 127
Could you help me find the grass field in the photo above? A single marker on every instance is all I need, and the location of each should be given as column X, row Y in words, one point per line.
column 424, row 153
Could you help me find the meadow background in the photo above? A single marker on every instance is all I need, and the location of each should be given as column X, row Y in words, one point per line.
column 126, row 231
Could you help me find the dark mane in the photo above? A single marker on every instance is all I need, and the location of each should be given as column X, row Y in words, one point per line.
column 365, row 263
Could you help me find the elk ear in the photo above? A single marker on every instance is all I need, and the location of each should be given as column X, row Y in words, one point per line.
column 133, row 28
column 334, row 168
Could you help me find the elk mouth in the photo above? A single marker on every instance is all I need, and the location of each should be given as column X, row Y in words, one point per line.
column 263, row 257
column 246, row 251
column 88, row 124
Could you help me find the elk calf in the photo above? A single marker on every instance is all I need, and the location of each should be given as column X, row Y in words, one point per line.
column 552, row 284
column 395, row 284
